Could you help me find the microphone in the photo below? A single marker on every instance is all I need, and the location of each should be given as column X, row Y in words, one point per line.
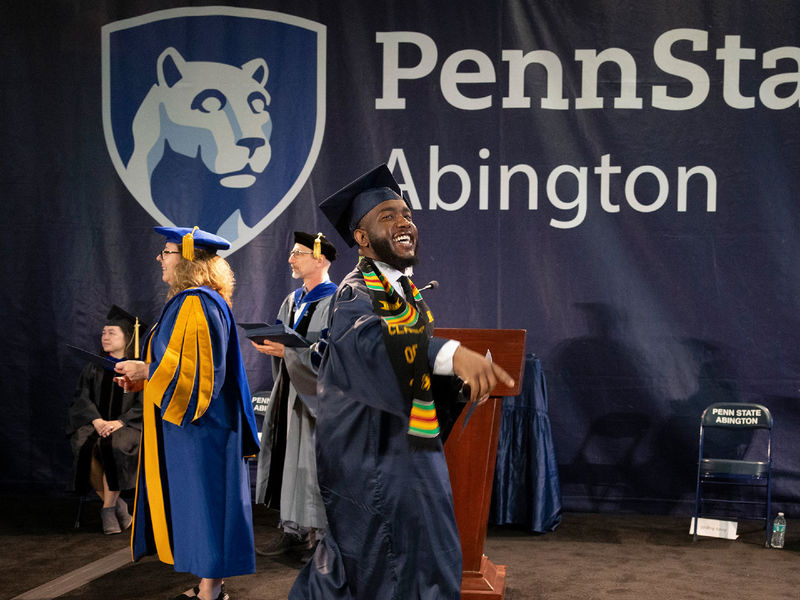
column 432, row 285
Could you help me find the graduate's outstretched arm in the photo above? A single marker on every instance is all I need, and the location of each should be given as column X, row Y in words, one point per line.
column 480, row 373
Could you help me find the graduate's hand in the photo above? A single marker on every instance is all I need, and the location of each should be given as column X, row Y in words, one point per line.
column 480, row 373
column 269, row 348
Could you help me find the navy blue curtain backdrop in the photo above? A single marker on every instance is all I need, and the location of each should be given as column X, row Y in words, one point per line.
column 620, row 178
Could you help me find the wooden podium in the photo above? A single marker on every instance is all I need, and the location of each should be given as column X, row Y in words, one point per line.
column 471, row 455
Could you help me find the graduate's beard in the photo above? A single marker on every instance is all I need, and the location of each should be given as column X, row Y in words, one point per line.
column 382, row 248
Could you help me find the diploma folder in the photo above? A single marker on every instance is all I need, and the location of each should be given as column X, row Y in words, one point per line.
column 95, row 359
column 281, row 334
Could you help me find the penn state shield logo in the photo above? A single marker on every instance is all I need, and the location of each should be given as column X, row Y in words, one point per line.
column 214, row 116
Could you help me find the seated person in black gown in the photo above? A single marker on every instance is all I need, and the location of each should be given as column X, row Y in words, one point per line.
column 105, row 424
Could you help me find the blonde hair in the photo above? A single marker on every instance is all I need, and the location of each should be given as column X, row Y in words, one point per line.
column 206, row 269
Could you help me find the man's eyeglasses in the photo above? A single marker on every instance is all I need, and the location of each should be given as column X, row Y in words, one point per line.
column 297, row 253
column 163, row 252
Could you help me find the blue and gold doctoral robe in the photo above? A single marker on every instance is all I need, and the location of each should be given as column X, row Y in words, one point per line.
column 192, row 504
column 392, row 529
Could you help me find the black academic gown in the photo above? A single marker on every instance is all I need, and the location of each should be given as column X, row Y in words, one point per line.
column 97, row 396
column 392, row 529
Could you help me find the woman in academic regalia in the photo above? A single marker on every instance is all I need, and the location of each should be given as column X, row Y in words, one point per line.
column 105, row 426
column 193, row 493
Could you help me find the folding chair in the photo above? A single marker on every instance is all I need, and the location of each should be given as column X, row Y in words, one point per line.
column 735, row 450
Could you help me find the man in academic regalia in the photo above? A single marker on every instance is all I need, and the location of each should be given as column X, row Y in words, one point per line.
column 382, row 470
column 287, row 465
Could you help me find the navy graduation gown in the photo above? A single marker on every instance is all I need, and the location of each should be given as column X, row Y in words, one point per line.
column 392, row 529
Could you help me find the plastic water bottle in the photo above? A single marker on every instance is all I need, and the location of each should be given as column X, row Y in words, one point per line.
column 778, row 531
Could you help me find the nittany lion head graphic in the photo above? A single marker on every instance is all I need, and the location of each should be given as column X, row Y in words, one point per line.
column 202, row 111
column 214, row 116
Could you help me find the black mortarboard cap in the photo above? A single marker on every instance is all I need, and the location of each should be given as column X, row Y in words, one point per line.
column 308, row 239
column 127, row 322
column 121, row 318
column 347, row 207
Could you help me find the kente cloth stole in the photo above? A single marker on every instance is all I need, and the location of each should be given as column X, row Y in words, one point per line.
column 404, row 326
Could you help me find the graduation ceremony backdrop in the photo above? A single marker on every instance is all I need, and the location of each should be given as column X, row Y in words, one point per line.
column 620, row 178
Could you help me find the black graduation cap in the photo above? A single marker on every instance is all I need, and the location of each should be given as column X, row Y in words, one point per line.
column 122, row 319
column 131, row 326
column 347, row 207
column 309, row 240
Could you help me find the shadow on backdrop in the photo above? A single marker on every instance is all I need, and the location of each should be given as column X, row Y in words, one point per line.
column 605, row 407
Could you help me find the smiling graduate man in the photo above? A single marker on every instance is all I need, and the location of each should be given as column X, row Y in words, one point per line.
column 381, row 465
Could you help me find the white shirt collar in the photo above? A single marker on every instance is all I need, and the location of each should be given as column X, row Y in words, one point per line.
column 393, row 275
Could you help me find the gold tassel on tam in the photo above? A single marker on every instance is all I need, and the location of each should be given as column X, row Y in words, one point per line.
column 318, row 246
column 136, row 339
column 187, row 245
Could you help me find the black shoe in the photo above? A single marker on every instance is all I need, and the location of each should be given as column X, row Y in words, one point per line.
column 281, row 545
column 308, row 551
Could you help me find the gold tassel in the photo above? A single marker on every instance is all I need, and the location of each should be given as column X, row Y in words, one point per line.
column 136, row 339
column 187, row 246
column 318, row 246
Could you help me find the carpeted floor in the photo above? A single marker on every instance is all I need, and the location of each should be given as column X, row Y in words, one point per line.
column 590, row 556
